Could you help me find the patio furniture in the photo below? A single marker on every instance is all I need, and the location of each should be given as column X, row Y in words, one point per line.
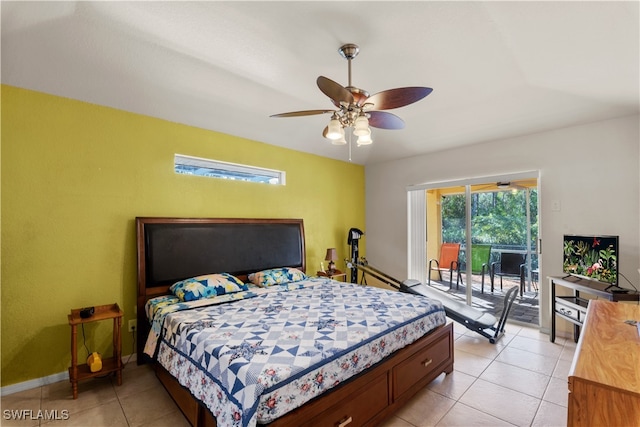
column 534, row 279
column 511, row 264
column 448, row 262
column 480, row 255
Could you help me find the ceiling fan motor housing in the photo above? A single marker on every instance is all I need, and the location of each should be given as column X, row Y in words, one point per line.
column 349, row 50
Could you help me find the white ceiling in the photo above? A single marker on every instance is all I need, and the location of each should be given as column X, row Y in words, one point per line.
column 497, row 69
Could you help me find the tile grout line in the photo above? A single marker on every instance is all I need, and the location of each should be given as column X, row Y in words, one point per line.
column 122, row 409
column 540, row 400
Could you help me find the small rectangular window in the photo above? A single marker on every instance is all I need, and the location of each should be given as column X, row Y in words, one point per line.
column 216, row 169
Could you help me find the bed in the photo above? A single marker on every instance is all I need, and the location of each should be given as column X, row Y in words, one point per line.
column 290, row 352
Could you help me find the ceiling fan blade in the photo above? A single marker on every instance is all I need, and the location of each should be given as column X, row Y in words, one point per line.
column 384, row 120
column 399, row 97
column 335, row 91
column 302, row 113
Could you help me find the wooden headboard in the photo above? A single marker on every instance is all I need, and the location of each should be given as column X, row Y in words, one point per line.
column 173, row 249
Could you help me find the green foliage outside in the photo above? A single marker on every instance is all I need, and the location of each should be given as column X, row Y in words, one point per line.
column 497, row 218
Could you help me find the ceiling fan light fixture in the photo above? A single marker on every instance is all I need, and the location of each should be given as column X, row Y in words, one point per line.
column 361, row 126
column 334, row 130
column 339, row 141
column 364, row 139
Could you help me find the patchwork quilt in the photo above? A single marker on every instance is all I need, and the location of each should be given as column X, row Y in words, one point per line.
column 257, row 355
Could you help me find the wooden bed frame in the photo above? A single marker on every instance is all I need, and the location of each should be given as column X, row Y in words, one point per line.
column 172, row 249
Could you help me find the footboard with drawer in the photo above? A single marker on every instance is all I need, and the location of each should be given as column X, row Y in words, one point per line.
column 366, row 400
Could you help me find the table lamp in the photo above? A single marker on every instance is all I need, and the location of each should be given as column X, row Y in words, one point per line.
column 331, row 256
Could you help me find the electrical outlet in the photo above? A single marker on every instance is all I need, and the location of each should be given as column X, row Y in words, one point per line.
column 133, row 325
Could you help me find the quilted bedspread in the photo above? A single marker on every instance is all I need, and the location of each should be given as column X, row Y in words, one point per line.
column 269, row 351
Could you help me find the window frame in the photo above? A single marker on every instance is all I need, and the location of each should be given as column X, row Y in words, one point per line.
column 227, row 170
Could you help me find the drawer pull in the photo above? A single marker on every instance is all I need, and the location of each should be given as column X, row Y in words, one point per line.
column 427, row 362
column 345, row 422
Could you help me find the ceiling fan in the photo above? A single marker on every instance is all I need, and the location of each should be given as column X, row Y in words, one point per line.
column 357, row 109
column 499, row 186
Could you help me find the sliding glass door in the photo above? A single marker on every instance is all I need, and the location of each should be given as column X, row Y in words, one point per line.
column 492, row 222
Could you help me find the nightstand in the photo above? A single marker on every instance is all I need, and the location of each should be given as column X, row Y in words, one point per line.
column 109, row 364
column 335, row 275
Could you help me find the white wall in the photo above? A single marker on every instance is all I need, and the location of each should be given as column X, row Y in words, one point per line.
column 593, row 170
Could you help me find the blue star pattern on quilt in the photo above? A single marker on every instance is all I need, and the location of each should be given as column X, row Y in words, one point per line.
column 245, row 350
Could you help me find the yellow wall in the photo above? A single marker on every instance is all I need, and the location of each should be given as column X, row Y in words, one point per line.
column 434, row 227
column 74, row 177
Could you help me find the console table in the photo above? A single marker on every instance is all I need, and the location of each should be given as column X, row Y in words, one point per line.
column 604, row 379
column 574, row 307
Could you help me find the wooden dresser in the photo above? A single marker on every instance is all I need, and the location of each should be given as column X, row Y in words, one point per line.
column 604, row 379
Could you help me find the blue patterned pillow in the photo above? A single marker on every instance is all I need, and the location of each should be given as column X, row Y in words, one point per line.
column 276, row 276
column 207, row 286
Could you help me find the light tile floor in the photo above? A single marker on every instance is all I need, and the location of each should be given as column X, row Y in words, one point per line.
column 520, row 381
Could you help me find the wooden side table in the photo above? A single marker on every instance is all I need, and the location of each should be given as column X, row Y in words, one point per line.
column 335, row 275
column 110, row 364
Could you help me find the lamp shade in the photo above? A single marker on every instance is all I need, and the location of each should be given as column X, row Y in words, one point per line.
column 361, row 126
column 364, row 140
column 332, row 255
column 334, row 131
column 339, row 141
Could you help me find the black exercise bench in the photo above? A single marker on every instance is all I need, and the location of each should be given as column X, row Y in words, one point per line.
column 476, row 320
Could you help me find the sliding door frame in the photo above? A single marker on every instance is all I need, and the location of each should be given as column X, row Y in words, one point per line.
column 417, row 221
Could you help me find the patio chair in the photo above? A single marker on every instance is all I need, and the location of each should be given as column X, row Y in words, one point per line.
column 510, row 264
column 448, row 262
column 480, row 255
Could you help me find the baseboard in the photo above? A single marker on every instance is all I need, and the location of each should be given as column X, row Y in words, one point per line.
column 38, row 382
column 50, row 379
